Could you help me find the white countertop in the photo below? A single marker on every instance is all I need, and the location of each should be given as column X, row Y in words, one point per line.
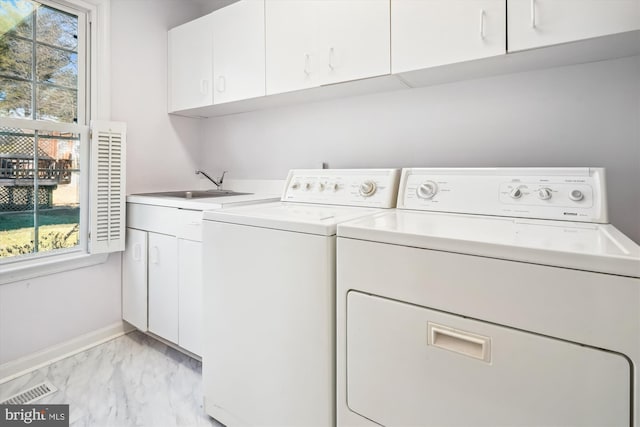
column 263, row 190
column 202, row 204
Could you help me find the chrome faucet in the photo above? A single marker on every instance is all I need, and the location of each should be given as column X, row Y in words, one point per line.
column 218, row 183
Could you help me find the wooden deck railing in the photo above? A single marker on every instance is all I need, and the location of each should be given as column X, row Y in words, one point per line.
column 54, row 172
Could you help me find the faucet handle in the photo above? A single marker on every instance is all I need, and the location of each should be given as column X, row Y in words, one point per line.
column 222, row 177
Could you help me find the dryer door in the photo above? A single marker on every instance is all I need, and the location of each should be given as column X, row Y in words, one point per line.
column 408, row 365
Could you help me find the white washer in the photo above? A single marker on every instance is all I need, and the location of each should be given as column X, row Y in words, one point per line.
column 475, row 304
column 269, row 293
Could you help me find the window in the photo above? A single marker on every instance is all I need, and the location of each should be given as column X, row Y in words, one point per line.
column 42, row 52
column 45, row 184
column 41, row 48
column 40, row 191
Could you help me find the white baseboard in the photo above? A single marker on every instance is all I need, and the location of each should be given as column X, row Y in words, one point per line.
column 15, row 368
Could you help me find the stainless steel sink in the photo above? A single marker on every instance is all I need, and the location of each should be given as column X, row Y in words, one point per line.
column 194, row 194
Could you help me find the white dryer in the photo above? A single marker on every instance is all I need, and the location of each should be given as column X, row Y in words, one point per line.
column 490, row 297
column 269, row 293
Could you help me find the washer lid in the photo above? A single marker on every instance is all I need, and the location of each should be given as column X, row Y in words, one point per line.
column 298, row 217
column 590, row 247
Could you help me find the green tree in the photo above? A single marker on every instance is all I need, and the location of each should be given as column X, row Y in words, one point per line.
column 53, row 80
column 15, row 16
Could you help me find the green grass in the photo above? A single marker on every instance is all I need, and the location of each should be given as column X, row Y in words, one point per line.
column 58, row 229
column 22, row 236
column 17, row 220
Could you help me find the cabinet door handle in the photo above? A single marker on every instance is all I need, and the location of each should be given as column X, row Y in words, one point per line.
column 204, row 86
column 331, row 51
column 307, row 63
column 137, row 252
column 482, row 13
column 533, row 13
column 222, row 84
column 155, row 255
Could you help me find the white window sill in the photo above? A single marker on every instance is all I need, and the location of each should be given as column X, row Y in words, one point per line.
column 43, row 266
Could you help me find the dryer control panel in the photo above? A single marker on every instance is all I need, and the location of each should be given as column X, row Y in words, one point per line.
column 377, row 188
column 572, row 194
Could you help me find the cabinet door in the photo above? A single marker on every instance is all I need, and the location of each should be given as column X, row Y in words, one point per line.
column 315, row 42
column 427, row 33
column 190, row 65
column 190, row 295
column 354, row 40
column 134, row 279
column 535, row 23
column 238, row 51
column 291, row 45
column 163, row 286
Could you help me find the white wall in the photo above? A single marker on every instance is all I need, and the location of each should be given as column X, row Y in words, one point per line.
column 162, row 152
column 47, row 311
column 582, row 115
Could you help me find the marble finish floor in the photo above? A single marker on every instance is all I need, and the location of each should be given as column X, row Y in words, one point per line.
column 132, row 380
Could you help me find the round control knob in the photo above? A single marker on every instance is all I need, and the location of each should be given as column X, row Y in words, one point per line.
column 367, row 188
column 576, row 195
column 544, row 193
column 516, row 193
column 295, row 185
column 334, row 187
column 427, row 190
column 320, row 187
column 307, row 186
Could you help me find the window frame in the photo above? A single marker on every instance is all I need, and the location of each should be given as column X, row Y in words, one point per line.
column 83, row 132
column 94, row 103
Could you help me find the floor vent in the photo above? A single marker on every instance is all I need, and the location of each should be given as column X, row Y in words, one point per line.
column 31, row 395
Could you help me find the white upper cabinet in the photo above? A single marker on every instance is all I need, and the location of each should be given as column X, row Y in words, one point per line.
column 427, row 33
column 291, row 45
column 190, row 65
column 355, row 40
column 252, row 49
column 238, row 51
column 311, row 43
column 536, row 23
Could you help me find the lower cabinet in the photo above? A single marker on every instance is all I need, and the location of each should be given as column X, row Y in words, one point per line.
column 134, row 279
column 162, row 278
column 190, row 322
column 163, row 286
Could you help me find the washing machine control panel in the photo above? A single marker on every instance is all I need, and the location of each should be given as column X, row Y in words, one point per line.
column 350, row 187
column 574, row 194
